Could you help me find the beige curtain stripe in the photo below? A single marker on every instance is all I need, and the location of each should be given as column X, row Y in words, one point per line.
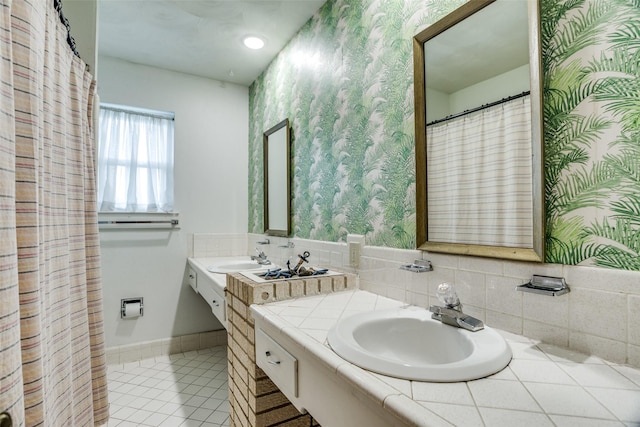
column 11, row 385
column 51, row 318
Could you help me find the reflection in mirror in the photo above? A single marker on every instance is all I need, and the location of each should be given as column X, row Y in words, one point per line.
column 277, row 178
column 478, row 132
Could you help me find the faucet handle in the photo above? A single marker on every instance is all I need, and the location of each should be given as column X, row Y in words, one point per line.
column 447, row 295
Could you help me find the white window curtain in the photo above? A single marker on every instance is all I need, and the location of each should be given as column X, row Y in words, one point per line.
column 478, row 191
column 135, row 161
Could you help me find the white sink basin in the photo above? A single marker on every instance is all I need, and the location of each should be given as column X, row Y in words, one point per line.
column 406, row 343
column 234, row 266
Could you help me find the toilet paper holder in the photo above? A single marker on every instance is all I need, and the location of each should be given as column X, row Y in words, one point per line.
column 126, row 301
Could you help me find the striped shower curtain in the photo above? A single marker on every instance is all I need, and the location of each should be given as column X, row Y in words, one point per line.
column 479, row 177
column 52, row 364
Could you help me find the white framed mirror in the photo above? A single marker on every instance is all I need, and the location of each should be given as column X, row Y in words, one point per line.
column 277, row 179
column 479, row 181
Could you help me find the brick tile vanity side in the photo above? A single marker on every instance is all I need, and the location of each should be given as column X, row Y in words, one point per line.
column 254, row 400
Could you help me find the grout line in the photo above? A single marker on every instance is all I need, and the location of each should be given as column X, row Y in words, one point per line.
column 186, row 406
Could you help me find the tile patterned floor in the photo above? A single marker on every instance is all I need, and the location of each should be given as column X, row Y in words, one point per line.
column 185, row 389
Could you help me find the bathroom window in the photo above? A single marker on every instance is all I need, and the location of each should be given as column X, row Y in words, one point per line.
column 135, row 160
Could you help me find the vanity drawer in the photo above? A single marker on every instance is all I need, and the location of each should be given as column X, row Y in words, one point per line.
column 277, row 363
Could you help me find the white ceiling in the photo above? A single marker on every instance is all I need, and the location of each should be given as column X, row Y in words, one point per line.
column 484, row 45
column 200, row 37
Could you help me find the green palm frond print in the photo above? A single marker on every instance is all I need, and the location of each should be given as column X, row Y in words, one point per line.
column 592, row 132
column 345, row 82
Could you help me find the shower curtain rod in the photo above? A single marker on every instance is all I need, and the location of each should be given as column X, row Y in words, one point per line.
column 482, row 107
column 57, row 4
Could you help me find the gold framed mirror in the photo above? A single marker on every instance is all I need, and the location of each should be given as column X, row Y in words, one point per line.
column 479, row 181
column 277, row 179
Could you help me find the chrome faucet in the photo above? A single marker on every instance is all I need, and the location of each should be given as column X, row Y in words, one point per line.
column 451, row 313
column 260, row 258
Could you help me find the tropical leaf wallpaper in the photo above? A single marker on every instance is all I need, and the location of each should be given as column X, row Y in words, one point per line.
column 345, row 82
column 591, row 61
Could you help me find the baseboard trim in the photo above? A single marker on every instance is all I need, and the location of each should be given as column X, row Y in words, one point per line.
column 164, row 347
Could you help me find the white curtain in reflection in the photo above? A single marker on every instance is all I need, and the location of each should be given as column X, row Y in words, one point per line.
column 479, row 177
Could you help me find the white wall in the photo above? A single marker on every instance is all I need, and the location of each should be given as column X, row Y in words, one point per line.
column 211, row 192
column 507, row 84
column 437, row 105
column 513, row 82
column 83, row 20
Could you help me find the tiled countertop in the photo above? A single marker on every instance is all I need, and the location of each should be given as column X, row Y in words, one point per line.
column 218, row 279
column 544, row 385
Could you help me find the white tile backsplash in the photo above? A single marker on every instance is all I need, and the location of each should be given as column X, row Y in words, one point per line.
column 592, row 312
column 598, row 316
column 419, row 299
column 633, row 313
column 524, row 270
column 471, row 287
column 482, row 265
column 608, row 349
column 543, row 309
column 548, row 333
column 502, row 296
column 633, row 355
column 626, row 282
column 506, row 322
column 437, row 276
column 218, row 244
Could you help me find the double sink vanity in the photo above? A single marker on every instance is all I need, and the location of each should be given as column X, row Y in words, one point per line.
column 349, row 357
column 297, row 340
column 210, row 285
column 208, row 277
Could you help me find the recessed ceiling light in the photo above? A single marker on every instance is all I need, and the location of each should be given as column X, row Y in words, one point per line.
column 253, row 42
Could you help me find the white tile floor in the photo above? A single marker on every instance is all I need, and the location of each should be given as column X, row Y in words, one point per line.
column 185, row 389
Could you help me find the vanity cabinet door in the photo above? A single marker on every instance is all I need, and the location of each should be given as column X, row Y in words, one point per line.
column 277, row 363
column 219, row 307
column 216, row 301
